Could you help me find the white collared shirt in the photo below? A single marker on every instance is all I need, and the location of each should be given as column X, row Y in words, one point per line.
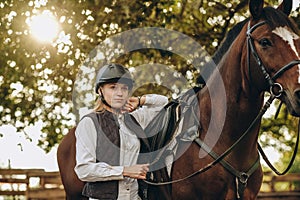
column 86, row 138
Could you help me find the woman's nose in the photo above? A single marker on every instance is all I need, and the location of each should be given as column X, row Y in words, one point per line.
column 119, row 91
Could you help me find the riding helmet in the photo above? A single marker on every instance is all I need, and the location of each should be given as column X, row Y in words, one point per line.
column 113, row 73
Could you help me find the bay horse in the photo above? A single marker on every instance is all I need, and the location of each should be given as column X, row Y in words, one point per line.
column 66, row 149
column 263, row 57
column 66, row 159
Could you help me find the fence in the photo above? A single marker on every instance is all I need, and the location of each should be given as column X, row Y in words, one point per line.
column 285, row 187
column 36, row 184
column 31, row 184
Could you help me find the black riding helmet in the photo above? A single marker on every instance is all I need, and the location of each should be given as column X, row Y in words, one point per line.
column 113, row 73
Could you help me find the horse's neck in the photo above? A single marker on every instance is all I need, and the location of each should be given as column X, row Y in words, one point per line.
column 236, row 104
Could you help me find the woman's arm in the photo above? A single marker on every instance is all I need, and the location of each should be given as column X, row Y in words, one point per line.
column 88, row 170
column 150, row 100
column 86, row 167
column 151, row 106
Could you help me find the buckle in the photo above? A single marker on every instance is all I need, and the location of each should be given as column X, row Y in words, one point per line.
column 244, row 178
column 276, row 90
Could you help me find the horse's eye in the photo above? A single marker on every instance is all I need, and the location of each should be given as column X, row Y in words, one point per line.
column 265, row 42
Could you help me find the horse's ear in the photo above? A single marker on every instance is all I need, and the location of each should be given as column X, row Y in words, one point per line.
column 256, row 8
column 286, row 6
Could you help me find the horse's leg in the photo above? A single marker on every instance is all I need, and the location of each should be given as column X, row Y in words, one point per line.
column 66, row 159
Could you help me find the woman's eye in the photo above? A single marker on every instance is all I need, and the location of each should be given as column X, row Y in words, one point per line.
column 265, row 42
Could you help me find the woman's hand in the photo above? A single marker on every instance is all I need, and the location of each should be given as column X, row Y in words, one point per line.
column 136, row 171
column 133, row 103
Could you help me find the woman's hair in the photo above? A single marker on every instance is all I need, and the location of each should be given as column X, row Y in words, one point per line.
column 99, row 106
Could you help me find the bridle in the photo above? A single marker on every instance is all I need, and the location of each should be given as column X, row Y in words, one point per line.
column 275, row 88
column 276, row 91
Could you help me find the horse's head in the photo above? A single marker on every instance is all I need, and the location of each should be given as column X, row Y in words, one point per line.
column 274, row 52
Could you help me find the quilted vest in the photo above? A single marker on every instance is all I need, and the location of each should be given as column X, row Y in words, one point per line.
column 108, row 151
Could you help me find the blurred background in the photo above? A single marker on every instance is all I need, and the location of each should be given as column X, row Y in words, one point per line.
column 46, row 42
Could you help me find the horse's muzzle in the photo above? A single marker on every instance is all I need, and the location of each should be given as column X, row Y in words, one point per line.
column 293, row 102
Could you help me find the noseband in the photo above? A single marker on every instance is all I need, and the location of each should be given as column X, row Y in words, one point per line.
column 276, row 89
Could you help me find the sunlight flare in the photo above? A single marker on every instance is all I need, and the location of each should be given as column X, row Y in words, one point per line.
column 44, row 27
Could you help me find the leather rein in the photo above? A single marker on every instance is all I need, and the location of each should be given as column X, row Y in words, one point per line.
column 276, row 91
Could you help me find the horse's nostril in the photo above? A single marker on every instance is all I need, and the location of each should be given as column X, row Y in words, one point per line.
column 297, row 94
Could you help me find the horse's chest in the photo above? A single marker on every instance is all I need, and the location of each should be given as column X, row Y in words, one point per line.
column 213, row 184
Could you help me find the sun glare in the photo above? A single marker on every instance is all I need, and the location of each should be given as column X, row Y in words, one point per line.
column 44, row 27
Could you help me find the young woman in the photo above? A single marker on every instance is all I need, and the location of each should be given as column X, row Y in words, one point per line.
column 107, row 147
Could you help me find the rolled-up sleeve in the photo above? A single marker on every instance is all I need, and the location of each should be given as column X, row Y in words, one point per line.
column 152, row 106
column 87, row 169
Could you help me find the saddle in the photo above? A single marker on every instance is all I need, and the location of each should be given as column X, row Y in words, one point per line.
column 171, row 124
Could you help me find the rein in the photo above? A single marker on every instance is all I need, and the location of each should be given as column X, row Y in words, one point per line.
column 276, row 91
column 224, row 154
column 291, row 161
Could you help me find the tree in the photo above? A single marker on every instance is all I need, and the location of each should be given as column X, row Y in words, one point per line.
column 37, row 79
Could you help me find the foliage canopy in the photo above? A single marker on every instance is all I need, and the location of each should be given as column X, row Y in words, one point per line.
column 37, row 78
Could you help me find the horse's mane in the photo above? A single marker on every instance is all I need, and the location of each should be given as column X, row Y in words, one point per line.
column 223, row 48
column 227, row 42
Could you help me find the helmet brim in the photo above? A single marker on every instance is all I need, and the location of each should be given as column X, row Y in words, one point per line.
column 126, row 81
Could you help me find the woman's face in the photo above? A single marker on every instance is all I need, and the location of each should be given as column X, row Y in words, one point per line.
column 115, row 94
